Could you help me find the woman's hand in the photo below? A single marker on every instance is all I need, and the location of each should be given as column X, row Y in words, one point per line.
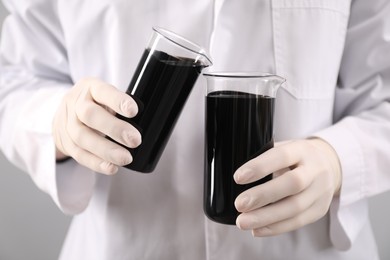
column 307, row 176
column 83, row 119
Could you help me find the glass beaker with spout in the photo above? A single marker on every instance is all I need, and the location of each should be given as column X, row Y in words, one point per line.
column 161, row 84
column 239, row 127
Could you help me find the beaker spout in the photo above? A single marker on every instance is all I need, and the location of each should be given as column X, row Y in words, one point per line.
column 204, row 58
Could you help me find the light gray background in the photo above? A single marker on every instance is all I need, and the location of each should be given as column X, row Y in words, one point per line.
column 31, row 226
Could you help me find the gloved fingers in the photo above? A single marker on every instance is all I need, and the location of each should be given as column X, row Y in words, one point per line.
column 93, row 142
column 288, row 184
column 312, row 214
column 86, row 158
column 274, row 159
column 85, row 116
column 98, row 118
column 282, row 210
column 296, row 197
column 109, row 96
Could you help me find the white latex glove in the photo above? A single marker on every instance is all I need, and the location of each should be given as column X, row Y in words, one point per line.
column 85, row 116
column 307, row 177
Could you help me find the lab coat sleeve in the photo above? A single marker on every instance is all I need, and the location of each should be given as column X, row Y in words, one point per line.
column 34, row 77
column 361, row 134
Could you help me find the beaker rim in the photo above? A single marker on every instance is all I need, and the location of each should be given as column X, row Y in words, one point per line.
column 185, row 43
column 240, row 74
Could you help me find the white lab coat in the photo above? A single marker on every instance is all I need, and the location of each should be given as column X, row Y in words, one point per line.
column 334, row 54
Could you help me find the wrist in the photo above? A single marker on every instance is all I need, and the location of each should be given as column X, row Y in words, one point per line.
column 334, row 163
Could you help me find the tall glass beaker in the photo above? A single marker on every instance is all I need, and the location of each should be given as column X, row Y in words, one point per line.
column 161, row 84
column 239, row 127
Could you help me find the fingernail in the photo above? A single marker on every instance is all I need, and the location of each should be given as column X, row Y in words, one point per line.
column 121, row 156
column 238, row 223
column 129, row 108
column 132, row 140
column 242, row 203
column 243, row 175
column 243, row 223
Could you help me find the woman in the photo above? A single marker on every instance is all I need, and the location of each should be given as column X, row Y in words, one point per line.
column 335, row 106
